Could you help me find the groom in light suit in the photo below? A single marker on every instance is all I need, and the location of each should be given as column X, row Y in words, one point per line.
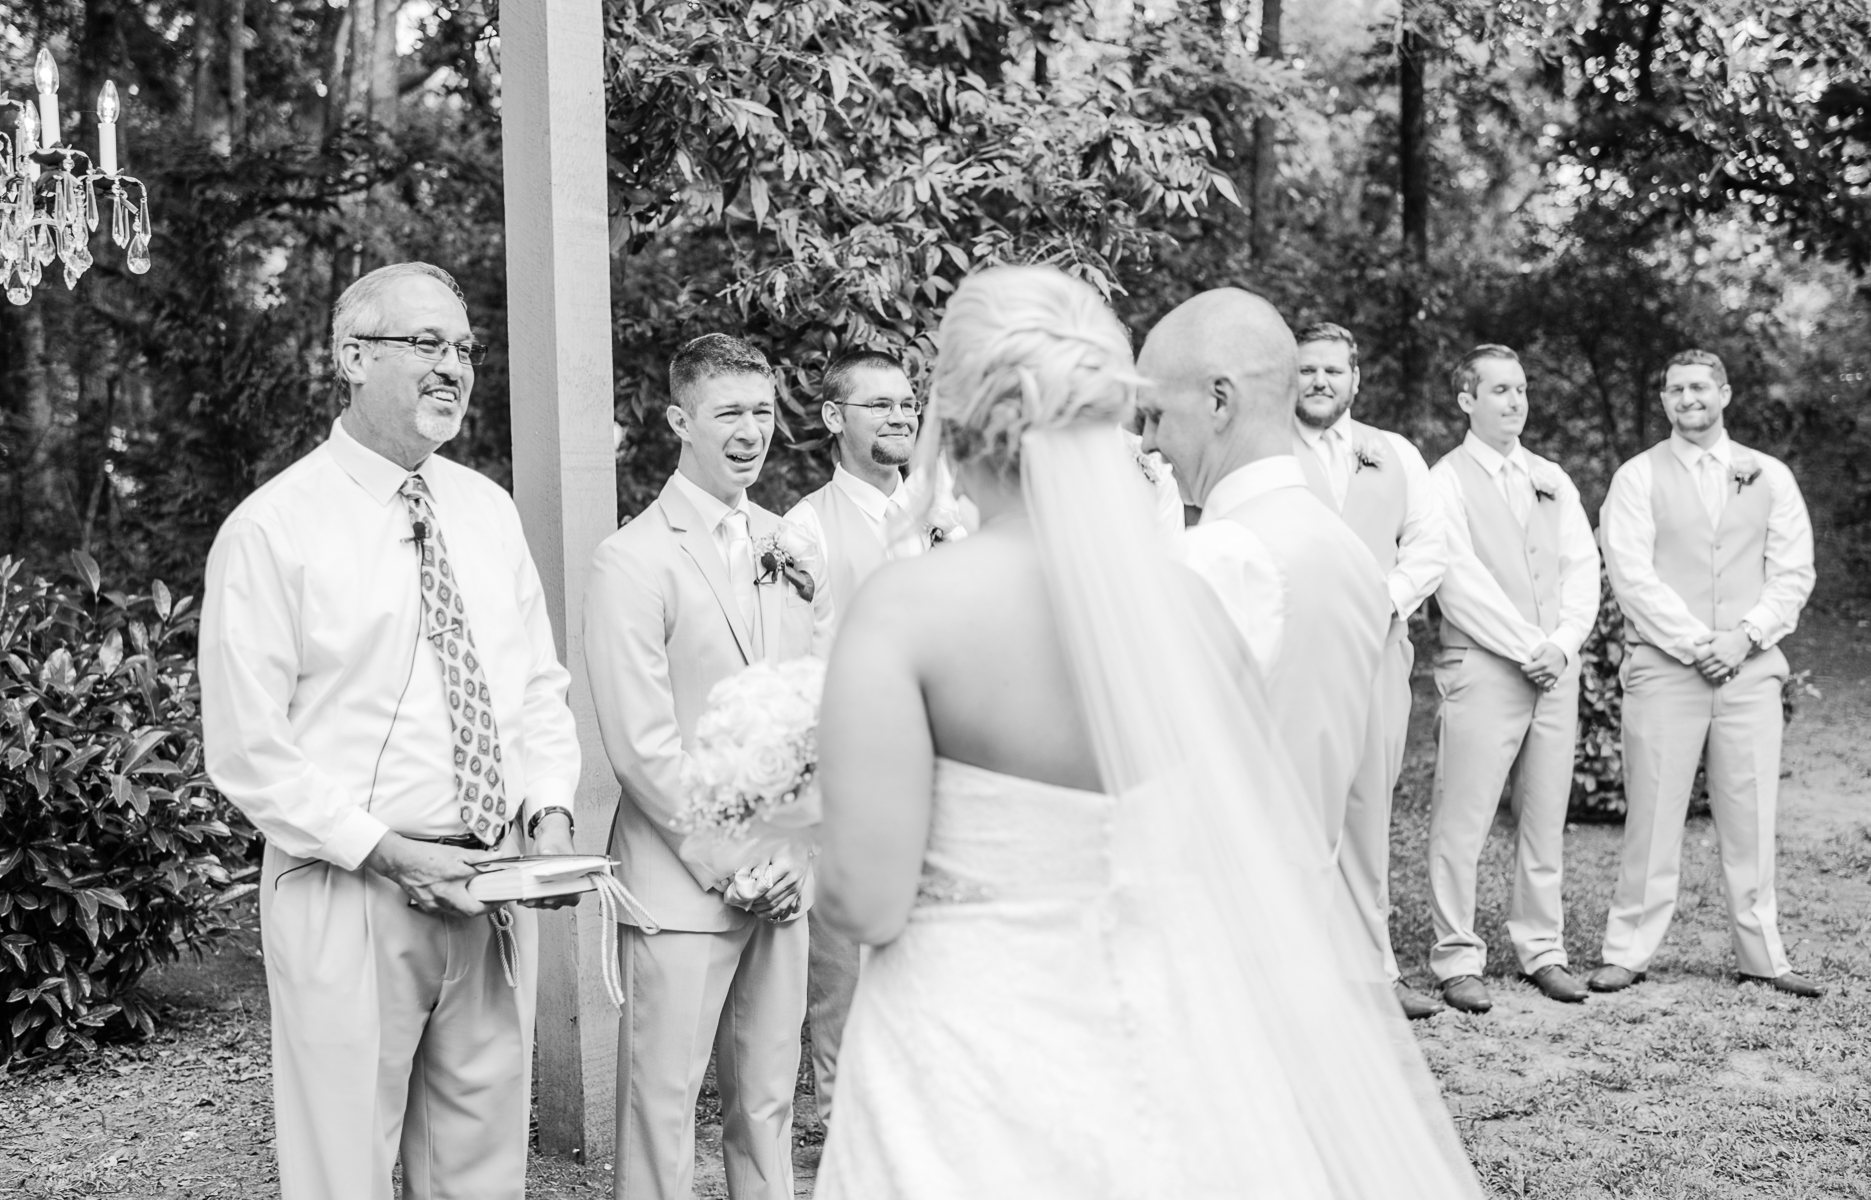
column 1377, row 481
column 1306, row 593
column 679, row 600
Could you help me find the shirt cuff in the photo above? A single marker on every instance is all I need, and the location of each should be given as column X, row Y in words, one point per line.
column 351, row 843
column 1568, row 641
column 1764, row 619
column 1401, row 594
column 548, row 793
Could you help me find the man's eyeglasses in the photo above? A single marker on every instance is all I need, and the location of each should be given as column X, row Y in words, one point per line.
column 883, row 408
column 429, row 349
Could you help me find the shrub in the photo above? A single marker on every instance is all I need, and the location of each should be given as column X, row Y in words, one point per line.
column 1598, row 760
column 115, row 850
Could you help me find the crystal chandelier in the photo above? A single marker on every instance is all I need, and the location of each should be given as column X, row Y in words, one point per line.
column 48, row 191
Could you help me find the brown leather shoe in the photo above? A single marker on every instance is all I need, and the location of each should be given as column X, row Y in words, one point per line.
column 1791, row 984
column 1612, row 978
column 1416, row 1006
column 1557, row 983
column 1466, row 993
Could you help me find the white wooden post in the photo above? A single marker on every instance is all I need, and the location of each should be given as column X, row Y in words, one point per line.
column 564, row 479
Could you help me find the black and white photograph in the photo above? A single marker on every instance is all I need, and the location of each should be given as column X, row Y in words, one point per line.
column 935, row 599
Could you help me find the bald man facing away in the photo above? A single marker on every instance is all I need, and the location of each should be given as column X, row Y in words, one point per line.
column 1304, row 589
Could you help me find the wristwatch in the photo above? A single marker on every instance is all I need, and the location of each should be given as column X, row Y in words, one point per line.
column 1755, row 636
column 532, row 826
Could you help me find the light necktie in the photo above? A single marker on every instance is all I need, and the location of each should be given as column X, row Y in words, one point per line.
column 480, row 789
column 1519, row 491
column 1337, row 464
column 1709, row 483
column 741, row 562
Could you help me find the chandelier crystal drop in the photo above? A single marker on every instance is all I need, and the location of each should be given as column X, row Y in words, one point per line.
column 49, row 191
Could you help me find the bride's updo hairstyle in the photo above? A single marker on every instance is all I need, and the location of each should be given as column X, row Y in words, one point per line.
column 1023, row 349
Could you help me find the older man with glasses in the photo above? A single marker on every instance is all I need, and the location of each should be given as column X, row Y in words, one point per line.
column 861, row 519
column 382, row 698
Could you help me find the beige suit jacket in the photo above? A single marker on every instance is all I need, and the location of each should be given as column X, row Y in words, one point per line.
column 661, row 628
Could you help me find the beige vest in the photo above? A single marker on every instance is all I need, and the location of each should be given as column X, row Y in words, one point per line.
column 852, row 549
column 1718, row 571
column 1524, row 561
column 1377, row 499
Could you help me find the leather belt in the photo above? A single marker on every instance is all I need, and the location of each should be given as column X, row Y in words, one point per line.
column 460, row 841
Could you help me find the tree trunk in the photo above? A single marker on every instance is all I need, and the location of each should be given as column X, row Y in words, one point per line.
column 237, row 72
column 1413, row 149
column 383, row 62
column 1264, row 171
column 201, row 115
column 337, row 78
column 1413, row 163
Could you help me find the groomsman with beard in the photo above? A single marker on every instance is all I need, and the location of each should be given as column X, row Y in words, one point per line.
column 1303, row 589
column 1518, row 600
column 860, row 519
column 1378, row 482
column 680, row 599
column 1710, row 553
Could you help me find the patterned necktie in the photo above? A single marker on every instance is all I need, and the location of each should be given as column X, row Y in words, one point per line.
column 1709, row 483
column 480, row 789
column 741, row 561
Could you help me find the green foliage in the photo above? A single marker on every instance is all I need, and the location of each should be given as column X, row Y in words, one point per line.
column 828, row 170
column 115, row 850
column 1598, row 762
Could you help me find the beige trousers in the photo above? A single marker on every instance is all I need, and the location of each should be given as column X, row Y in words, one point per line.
column 1364, row 852
column 1494, row 722
column 393, row 1031
column 741, row 993
column 1671, row 714
column 831, row 984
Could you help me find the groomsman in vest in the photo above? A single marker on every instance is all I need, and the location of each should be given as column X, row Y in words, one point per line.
column 1303, row 589
column 858, row 519
column 676, row 603
column 1710, row 553
column 1379, row 484
column 1519, row 598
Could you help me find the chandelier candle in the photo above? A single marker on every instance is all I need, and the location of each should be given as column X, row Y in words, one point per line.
column 107, row 129
column 45, row 75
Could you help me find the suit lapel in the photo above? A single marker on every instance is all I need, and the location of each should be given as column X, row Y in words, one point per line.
column 769, row 599
column 686, row 524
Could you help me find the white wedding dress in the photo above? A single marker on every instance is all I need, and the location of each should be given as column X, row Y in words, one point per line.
column 988, row 1053
column 1156, row 993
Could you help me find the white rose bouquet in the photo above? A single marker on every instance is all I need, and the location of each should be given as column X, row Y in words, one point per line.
column 751, row 782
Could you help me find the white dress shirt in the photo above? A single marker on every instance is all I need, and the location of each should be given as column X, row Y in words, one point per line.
column 1421, row 551
column 1236, row 563
column 323, row 710
column 1475, row 600
column 879, row 512
column 733, row 538
column 1652, row 605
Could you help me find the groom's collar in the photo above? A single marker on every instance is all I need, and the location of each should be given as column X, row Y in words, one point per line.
column 1257, row 478
column 696, row 505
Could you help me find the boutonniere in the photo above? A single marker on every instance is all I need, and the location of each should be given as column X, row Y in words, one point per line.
column 785, row 554
column 1369, row 452
column 1744, row 471
column 1151, row 474
column 1545, row 478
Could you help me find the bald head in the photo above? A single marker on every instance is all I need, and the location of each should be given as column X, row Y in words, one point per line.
column 1224, row 374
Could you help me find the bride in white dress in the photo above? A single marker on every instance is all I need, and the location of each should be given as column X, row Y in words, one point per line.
column 1109, row 959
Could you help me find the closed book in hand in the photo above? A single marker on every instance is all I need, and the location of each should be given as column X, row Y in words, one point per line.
column 535, row 876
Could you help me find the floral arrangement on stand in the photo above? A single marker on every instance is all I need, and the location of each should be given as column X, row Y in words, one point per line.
column 751, row 782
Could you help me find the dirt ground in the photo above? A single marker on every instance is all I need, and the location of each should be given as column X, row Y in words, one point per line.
column 1689, row 1087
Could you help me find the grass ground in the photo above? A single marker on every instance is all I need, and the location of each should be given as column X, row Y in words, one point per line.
column 1689, row 1087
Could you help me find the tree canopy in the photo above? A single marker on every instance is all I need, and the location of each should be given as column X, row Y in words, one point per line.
column 1597, row 185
